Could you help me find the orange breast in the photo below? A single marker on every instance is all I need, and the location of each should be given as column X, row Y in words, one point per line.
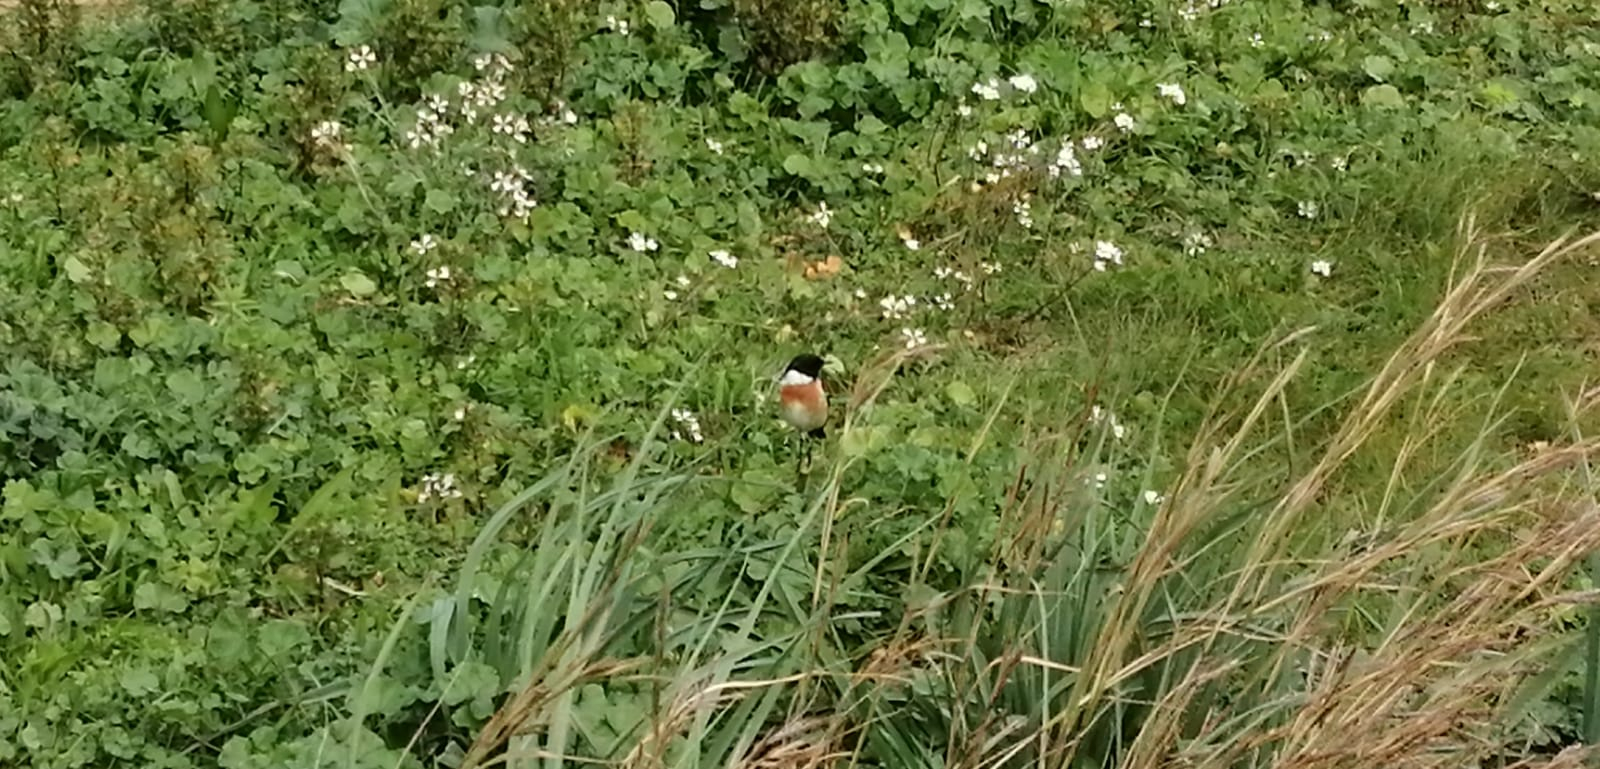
column 804, row 406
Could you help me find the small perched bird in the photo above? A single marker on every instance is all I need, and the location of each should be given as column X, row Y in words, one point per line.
column 802, row 402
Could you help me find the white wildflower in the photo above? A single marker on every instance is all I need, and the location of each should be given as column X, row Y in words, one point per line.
column 438, row 486
column 437, row 276
column 823, row 216
column 1066, row 161
column 1153, row 498
column 1174, row 92
column 913, row 337
column 639, row 242
column 1123, row 121
column 360, row 58
column 327, row 135
column 713, row 145
column 872, row 168
column 1024, row 83
column 1092, row 143
column 1195, row 243
column 1308, row 209
column 688, row 426
column 619, row 26
column 424, row 243
column 1322, row 267
column 897, row 307
column 724, row 258
column 1106, row 253
column 1256, row 41
column 514, row 126
column 963, row 109
column 988, row 91
column 1024, row 211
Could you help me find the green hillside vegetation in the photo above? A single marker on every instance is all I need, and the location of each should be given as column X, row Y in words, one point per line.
column 392, row 383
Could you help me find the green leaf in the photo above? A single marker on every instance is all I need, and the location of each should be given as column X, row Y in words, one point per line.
column 139, row 681
column 441, row 201
column 471, row 680
column 278, row 637
column 489, row 29
column 797, row 164
column 77, row 271
column 754, row 492
column 187, row 385
column 864, row 440
column 358, row 284
column 1378, row 68
column 960, row 394
column 659, row 14
column 1383, row 96
column 1095, row 99
column 103, row 335
column 154, row 595
column 41, row 614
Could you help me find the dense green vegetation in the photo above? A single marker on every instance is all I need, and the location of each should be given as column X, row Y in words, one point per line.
column 390, row 382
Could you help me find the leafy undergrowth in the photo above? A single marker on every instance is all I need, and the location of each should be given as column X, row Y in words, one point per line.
column 390, row 382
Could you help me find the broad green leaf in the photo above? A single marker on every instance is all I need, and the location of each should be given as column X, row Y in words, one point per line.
column 441, row 201
column 1383, row 96
column 659, row 14
column 358, row 284
column 76, row 270
column 960, row 394
column 1095, row 99
column 1378, row 68
column 797, row 164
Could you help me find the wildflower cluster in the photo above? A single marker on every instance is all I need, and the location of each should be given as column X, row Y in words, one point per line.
column 672, row 294
column 638, row 241
column 1100, row 416
column 434, row 116
column 991, row 89
column 1192, row 9
column 1106, row 253
column 688, row 426
column 512, row 186
column 438, row 486
column 328, row 135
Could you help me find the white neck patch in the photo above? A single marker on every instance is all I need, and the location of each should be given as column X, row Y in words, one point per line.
column 792, row 378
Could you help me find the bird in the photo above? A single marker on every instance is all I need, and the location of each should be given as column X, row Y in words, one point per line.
column 802, row 402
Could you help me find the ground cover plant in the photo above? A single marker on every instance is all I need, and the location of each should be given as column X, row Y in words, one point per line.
column 390, row 383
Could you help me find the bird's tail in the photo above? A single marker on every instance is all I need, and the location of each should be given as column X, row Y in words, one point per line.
column 818, row 433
